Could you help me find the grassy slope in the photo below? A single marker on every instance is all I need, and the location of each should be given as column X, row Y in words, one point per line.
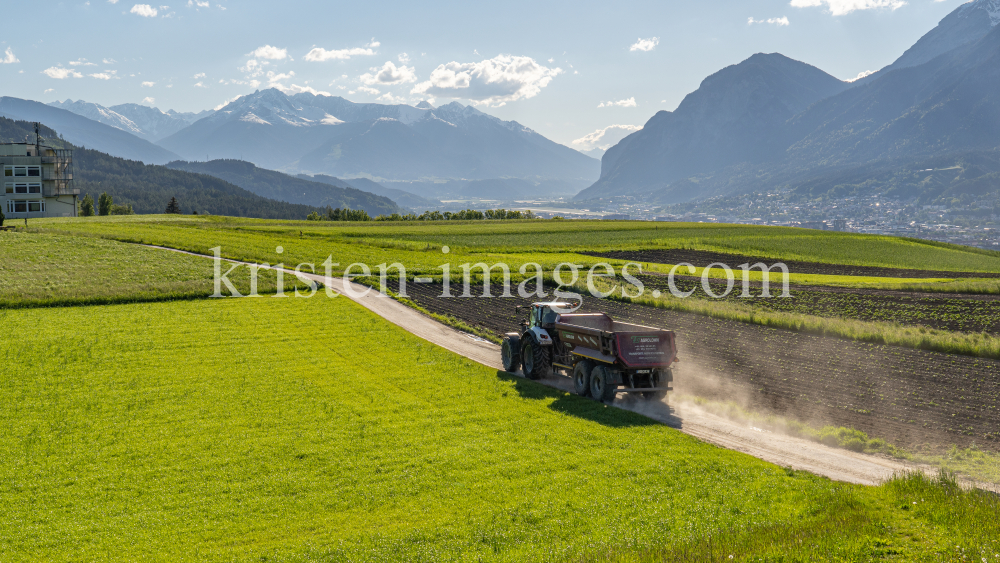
column 42, row 269
column 310, row 429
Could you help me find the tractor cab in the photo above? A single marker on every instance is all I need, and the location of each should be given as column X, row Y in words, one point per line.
column 541, row 315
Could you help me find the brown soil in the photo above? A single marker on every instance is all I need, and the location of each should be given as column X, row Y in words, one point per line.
column 911, row 398
column 945, row 311
column 702, row 258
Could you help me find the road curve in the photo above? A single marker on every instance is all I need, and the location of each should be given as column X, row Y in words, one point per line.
column 783, row 450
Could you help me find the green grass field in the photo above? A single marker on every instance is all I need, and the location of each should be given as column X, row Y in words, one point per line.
column 309, row 429
column 47, row 270
column 547, row 242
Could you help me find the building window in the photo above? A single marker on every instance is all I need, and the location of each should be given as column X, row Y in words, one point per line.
column 25, row 207
column 23, row 171
column 24, row 188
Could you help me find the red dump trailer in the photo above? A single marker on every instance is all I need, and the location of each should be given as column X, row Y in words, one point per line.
column 604, row 356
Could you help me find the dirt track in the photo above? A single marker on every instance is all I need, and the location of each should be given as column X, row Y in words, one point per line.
column 786, row 451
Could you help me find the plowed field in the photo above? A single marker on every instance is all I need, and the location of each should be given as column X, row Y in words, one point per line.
column 702, row 258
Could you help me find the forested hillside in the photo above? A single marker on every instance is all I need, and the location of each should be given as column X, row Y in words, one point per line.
column 148, row 188
column 276, row 185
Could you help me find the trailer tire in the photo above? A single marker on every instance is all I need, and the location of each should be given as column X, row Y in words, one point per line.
column 659, row 379
column 510, row 353
column 581, row 377
column 601, row 387
column 534, row 358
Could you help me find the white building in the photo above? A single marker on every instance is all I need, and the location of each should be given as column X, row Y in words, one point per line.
column 37, row 181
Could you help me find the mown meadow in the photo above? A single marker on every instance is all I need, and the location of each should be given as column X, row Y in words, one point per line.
column 39, row 269
column 312, row 430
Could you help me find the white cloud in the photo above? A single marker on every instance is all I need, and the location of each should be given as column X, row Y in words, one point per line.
column 8, row 57
column 404, row 58
column 269, row 52
column 144, row 10
column 495, row 81
column 274, row 81
column 81, row 62
column 199, row 4
column 645, row 44
column 389, row 74
column 319, row 54
column 367, row 90
column 47, row 90
column 199, row 85
column 109, row 61
column 861, row 75
column 605, row 138
column 106, row 75
column 148, row 100
column 199, row 75
column 390, row 99
column 149, row 84
column 61, row 73
column 226, row 103
column 113, row 1
column 780, row 22
column 841, row 7
column 629, row 103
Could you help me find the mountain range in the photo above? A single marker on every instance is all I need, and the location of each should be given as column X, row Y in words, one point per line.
column 148, row 187
column 439, row 150
column 84, row 132
column 282, row 187
column 773, row 123
column 144, row 122
column 312, row 134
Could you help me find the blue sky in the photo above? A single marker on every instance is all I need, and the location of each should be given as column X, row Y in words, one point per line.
column 566, row 69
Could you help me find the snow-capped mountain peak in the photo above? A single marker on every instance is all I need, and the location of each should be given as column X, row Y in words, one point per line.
column 145, row 122
column 991, row 7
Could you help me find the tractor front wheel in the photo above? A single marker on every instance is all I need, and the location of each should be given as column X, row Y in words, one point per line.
column 601, row 387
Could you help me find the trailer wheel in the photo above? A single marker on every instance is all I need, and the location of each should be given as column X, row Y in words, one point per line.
column 659, row 379
column 510, row 353
column 581, row 377
column 534, row 358
column 600, row 385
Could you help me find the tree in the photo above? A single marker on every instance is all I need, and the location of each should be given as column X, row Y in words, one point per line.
column 173, row 206
column 2, row 217
column 122, row 210
column 104, row 203
column 87, row 206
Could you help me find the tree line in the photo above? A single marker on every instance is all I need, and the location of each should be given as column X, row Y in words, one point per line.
column 347, row 214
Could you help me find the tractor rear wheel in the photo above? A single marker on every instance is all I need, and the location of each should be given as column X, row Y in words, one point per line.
column 601, row 387
column 510, row 353
column 534, row 359
column 581, row 377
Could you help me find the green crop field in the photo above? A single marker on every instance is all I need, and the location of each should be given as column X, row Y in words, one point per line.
column 44, row 269
column 418, row 246
column 308, row 429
